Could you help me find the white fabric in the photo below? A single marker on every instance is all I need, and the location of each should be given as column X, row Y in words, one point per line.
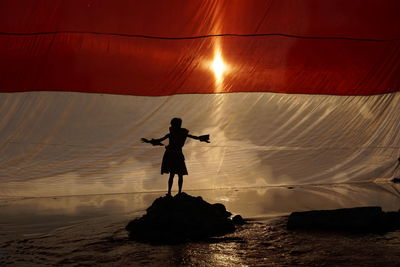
column 55, row 143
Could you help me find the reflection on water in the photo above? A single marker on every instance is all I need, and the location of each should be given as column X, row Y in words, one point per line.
column 30, row 215
column 89, row 230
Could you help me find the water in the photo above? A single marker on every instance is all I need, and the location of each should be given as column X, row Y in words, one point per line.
column 89, row 230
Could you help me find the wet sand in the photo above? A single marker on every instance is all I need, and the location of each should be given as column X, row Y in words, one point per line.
column 89, row 230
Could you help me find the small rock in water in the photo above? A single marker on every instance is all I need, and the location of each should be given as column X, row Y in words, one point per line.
column 362, row 219
column 238, row 220
column 179, row 219
column 396, row 180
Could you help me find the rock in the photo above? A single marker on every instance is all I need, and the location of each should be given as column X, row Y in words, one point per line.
column 238, row 220
column 362, row 219
column 396, row 180
column 179, row 219
column 220, row 208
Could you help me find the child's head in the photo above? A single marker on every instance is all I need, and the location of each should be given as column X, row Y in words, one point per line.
column 176, row 123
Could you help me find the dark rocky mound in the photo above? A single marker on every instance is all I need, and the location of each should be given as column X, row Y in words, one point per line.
column 364, row 219
column 396, row 180
column 179, row 219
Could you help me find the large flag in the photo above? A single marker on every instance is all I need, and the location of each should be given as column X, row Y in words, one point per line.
column 291, row 92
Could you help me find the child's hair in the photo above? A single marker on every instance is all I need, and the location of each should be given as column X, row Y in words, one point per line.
column 176, row 123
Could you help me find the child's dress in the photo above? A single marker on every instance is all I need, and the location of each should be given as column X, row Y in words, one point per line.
column 173, row 160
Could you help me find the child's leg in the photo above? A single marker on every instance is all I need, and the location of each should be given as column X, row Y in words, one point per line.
column 170, row 182
column 180, row 182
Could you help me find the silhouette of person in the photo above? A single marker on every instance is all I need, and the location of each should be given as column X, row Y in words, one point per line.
column 173, row 161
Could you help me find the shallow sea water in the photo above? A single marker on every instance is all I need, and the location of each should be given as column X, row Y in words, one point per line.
column 89, row 230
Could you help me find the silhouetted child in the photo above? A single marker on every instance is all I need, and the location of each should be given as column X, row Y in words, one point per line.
column 173, row 160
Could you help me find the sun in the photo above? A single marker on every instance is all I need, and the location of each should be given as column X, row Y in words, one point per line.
column 218, row 66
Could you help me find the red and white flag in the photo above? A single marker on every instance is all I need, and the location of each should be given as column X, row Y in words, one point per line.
column 291, row 92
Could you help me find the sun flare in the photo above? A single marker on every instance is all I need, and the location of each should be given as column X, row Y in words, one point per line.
column 218, row 66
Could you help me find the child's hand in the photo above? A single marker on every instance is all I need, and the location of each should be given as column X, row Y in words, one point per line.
column 144, row 140
column 154, row 142
column 205, row 138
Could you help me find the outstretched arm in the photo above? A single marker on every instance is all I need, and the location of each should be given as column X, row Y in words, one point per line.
column 201, row 138
column 155, row 142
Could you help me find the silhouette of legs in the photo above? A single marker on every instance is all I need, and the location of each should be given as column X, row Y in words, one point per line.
column 180, row 183
column 170, row 182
